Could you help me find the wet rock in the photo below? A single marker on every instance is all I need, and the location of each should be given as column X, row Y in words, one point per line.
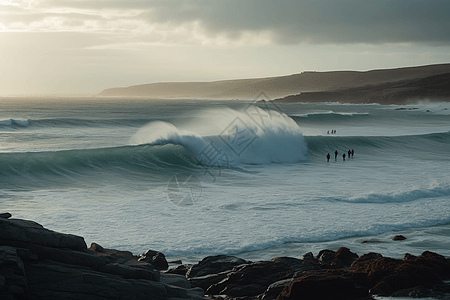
column 60, row 267
column 13, row 279
column 215, row 264
column 386, row 275
column 408, row 256
column 5, row 215
column 254, row 279
column 366, row 257
column 275, row 289
column 97, row 248
column 157, row 259
column 344, row 258
column 399, row 238
column 175, row 262
column 34, row 233
column 319, row 285
column 180, row 270
column 309, row 258
column 207, row 281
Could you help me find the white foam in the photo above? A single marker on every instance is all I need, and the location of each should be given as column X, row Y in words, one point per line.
column 233, row 136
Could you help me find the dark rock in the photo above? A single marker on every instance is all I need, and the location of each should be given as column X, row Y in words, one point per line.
column 408, row 256
column 175, row 262
column 157, row 259
column 52, row 280
column 399, row 238
column 367, row 256
column 206, row 281
column 326, row 257
column 176, row 280
column 180, row 270
column 387, row 275
column 318, row 286
column 344, row 258
column 254, row 279
column 33, row 233
column 36, row 263
column 275, row 289
column 97, row 248
column 309, row 258
column 13, row 278
column 5, row 215
column 215, row 264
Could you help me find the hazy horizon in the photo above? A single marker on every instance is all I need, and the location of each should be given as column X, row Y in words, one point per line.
column 65, row 47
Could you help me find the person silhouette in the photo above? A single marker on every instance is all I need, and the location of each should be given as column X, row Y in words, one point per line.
column 353, row 153
column 335, row 154
column 343, row 157
column 349, row 153
column 328, row 157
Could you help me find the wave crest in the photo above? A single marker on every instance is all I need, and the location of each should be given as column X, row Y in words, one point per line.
column 232, row 137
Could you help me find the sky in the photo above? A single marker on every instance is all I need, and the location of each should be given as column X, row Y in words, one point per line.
column 85, row 46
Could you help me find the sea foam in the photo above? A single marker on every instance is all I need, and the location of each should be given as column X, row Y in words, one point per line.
column 256, row 137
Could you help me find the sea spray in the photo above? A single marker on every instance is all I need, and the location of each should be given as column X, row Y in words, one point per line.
column 233, row 134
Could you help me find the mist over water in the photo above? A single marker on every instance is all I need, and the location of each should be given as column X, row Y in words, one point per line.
column 264, row 187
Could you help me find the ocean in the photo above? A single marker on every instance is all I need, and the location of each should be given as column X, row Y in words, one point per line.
column 193, row 178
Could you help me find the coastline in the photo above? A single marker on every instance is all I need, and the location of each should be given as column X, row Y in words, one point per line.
column 37, row 263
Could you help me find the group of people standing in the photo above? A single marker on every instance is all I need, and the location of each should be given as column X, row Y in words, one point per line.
column 332, row 131
column 350, row 153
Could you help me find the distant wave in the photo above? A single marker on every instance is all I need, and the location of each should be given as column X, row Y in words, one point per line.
column 401, row 197
column 14, row 122
column 72, row 122
column 329, row 114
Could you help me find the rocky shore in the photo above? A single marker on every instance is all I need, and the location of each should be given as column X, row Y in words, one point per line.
column 37, row 263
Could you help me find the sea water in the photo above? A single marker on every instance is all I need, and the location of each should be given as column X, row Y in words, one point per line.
column 193, row 178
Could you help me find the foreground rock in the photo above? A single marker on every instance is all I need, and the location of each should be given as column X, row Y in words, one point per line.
column 331, row 274
column 37, row 263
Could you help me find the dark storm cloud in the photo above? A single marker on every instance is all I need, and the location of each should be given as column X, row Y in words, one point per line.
column 318, row 21
column 283, row 21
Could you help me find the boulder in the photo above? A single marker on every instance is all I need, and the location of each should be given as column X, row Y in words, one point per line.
column 13, row 279
column 180, row 270
column 367, row 256
column 5, row 215
column 386, row 275
column 52, row 280
column 275, row 289
column 319, row 286
column 254, row 279
column 326, row 257
column 204, row 282
column 344, row 258
column 215, row 264
column 36, row 263
column 33, row 233
column 399, row 238
column 157, row 259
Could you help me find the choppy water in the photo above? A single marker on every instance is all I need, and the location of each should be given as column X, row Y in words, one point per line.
column 196, row 178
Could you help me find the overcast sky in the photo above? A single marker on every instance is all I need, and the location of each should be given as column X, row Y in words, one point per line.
column 85, row 46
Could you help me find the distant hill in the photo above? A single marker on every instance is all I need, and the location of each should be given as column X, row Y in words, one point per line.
column 435, row 88
column 306, row 83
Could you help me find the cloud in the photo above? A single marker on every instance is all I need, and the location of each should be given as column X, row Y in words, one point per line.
column 249, row 22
